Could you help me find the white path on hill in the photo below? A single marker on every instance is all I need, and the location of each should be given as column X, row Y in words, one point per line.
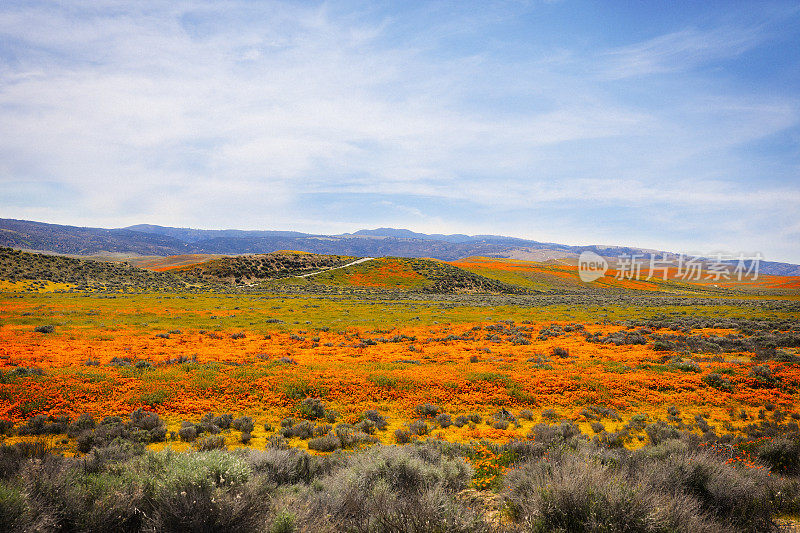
column 357, row 261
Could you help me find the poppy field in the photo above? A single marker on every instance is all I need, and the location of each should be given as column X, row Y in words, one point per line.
column 488, row 373
column 395, row 409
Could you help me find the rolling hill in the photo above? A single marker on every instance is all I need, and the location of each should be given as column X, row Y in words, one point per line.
column 23, row 270
column 151, row 240
column 306, row 272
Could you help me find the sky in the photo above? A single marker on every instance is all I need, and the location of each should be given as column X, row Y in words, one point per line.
column 665, row 125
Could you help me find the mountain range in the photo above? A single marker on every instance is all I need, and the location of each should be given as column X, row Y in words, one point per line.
column 147, row 239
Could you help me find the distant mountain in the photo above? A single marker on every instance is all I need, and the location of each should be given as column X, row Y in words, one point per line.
column 23, row 234
column 408, row 234
column 189, row 235
column 145, row 239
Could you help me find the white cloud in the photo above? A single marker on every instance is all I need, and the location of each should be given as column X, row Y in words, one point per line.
column 678, row 51
column 212, row 114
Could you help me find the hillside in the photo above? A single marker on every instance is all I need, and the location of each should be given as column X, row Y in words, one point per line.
column 38, row 271
column 149, row 240
column 412, row 274
column 261, row 267
column 563, row 276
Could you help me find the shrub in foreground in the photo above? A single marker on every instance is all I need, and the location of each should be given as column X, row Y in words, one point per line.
column 389, row 488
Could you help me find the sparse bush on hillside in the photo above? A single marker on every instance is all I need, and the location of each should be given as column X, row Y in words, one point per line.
column 378, row 419
column 187, row 432
column 312, row 409
column 426, row 410
column 402, row 435
column 558, row 351
column 210, row 442
column 444, row 420
column 244, row 424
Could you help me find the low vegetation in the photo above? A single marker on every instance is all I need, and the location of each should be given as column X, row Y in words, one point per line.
column 440, row 402
column 557, row 482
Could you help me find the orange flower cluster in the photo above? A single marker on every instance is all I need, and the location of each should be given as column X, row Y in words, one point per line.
column 461, row 367
column 387, row 273
column 738, row 455
column 488, row 468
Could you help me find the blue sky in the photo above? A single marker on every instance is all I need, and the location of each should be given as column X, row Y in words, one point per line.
column 667, row 125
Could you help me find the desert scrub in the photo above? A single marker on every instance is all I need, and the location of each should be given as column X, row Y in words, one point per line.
column 187, row 432
column 386, row 488
column 718, row 382
column 419, row 427
column 244, row 424
column 325, row 443
column 671, row 487
column 426, row 410
column 210, row 442
column 402, row 435
column 311, row 409
column 378, row 419
column 444, row 420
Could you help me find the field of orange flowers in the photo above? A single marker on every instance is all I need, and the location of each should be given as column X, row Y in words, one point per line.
column 183, row 356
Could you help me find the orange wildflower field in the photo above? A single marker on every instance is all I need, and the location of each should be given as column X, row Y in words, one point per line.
column 183, row 356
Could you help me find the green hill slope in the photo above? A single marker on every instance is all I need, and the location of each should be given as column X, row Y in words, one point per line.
column 82, row 274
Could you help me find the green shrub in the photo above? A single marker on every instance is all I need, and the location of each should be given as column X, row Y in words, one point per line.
column 311, row 409
column 686, row 366
column 380, row 421
column 419, row 427
column 244, row 424
column 426, row 410
column 402, row 435
column 156, row 397
column 718, row 382
column 187, row 432
column 284, row 522
column 444, row 420
column 13, row 509
column 210, row 442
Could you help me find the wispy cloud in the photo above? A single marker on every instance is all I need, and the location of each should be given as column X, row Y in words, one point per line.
column 679, row 51
column 254, row 114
